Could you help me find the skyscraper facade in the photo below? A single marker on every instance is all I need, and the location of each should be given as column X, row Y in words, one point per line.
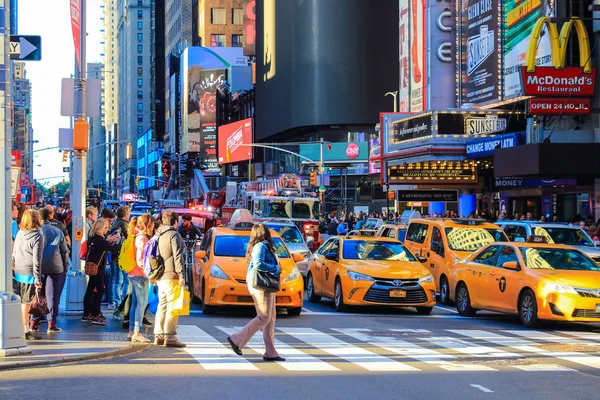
column 110, row 105
column 96, row 157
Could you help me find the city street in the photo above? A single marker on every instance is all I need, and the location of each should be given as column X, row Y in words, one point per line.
column 395, row 354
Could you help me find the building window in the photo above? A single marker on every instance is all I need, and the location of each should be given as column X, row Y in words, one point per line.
column 140, row 71
column 217, row 16
column 140, row 106
column 236, row 40
column 140, row 60
column 140, row 25
column 237, row 16
column 140, row 94
column 140, row 82
column 140, row 2
column 140, row 129
column 140, row 117
column 140, row 48
column 140, row 14
column 217, row 40
column 140, row 37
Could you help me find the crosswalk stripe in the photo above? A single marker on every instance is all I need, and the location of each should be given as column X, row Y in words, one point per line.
column 460, row 346
column 411, row 350
column 296, row 360
column 209, row 352
column 582, row 335
column 547, row 337
column 354, row 354
column 528, row 346
column 543, row 368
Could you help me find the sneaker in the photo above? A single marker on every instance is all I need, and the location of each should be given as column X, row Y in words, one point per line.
column 174, row 343
column 34, row 327
column 139, row 338
column 112, row 307
column 53, row 329
column 117, row 315
column 159, row 340
column 87, row 318
column 31, row 336
column 99, row 320
column 145, row 322
column 130, row 335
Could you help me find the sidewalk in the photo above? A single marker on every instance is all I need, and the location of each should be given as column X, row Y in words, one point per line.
column 79, row 341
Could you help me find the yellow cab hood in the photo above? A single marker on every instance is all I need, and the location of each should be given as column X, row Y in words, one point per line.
column 581, row 279
column 237, row 267
column 387, row 269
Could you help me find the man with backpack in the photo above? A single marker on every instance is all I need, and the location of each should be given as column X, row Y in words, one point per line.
column 169, row 276
column 118, row 278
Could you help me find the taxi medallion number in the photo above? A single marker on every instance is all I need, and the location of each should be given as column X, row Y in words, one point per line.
column 398, row 293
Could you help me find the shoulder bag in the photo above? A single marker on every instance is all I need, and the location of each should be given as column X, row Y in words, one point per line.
column 266, row 281
column 91, row 268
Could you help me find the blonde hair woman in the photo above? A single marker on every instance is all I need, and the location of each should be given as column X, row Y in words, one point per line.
column 27, row 272
column 99, row 246
column 261, row 255
column 143, row 229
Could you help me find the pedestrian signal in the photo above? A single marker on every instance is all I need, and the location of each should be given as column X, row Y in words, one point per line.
column 313, row 178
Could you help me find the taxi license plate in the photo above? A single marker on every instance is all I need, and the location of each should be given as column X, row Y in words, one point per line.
column 597, row 308
column 397, row 293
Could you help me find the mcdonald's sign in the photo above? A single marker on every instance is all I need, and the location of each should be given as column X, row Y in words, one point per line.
column 558, row 80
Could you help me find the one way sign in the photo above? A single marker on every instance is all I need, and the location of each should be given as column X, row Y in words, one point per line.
column 25, row 48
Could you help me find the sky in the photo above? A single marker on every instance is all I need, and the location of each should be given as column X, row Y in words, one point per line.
column 51, row 20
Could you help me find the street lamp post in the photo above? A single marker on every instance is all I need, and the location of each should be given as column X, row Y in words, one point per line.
column 394, row 95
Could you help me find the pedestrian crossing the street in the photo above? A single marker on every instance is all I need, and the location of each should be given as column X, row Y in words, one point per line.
column 398, row 350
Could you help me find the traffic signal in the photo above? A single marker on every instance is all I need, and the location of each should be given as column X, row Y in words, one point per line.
column 81, row 130
column 137, row 181
column 129, row 151
column 313, row 178
column 65, row 156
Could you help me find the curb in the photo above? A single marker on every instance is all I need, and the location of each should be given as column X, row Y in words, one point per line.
column 131, row 349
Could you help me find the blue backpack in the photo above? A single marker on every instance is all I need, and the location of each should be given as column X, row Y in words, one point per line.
column 154, row 264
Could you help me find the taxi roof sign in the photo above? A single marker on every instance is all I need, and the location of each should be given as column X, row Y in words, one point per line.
column 241, row 218
column 537, row 239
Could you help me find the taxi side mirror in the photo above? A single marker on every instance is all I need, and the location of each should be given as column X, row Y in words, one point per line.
column 512, row 265
column 421, row 259
column 332, row 256
column 298, row 257
column 200, row 254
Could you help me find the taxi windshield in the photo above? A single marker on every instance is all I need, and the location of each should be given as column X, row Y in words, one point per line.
column 375, row 250
column 471, row 238
column 557, row 259
column 235, row 246
column 566, row 235
column 371, row 224
column 289, row 233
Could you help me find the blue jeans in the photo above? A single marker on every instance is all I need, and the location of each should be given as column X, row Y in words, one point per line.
column 139, row 301
column 118, row 284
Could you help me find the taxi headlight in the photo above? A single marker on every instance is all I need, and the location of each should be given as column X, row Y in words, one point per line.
column 295, row 274
column 426, row 278
column 217, row 272
column 553, row 287
column 355, row 276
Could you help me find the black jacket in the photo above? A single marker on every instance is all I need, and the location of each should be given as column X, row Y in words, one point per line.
column 98, row 249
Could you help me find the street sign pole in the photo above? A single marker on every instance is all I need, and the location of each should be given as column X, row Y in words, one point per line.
column 12, row 332
column 76, row 279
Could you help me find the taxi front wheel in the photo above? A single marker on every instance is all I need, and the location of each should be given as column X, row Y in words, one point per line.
column 463, row 302
column 528, row 309
column 339, row 297
column 310, row 289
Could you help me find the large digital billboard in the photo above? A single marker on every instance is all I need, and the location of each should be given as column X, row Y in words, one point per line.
column 231, row 139
column 480, row 46
column 404, row 36
column 519, row 18
column 249, row 27
column 418, row 71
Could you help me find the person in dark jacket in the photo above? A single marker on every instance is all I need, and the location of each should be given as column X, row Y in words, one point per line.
column 98, row 247
column 27, row 272
column 119, row 281
column 170, row 248
column 55, row 263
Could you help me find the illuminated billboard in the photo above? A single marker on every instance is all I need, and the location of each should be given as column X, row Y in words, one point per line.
column 232, row 138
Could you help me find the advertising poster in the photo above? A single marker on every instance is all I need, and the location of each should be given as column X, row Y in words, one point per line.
column 418, row 72
column 480, row 44
column 231, row 137
column 249, row 27
column 519, row 18
column 374, row 156
column 408, row 129
column 404, row 92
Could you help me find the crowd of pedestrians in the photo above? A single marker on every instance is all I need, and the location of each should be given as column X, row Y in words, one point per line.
column 41, row 260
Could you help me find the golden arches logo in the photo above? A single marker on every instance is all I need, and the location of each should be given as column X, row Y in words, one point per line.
column 558, row 43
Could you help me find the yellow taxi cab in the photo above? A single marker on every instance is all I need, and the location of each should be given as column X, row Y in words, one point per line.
column 444, row 242
column 357, row 270
column 370, row 228
column 392, row 231
column 536, row 280
column 219, row 273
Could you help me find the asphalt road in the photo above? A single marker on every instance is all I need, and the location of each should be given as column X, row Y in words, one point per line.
column 370, row 354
